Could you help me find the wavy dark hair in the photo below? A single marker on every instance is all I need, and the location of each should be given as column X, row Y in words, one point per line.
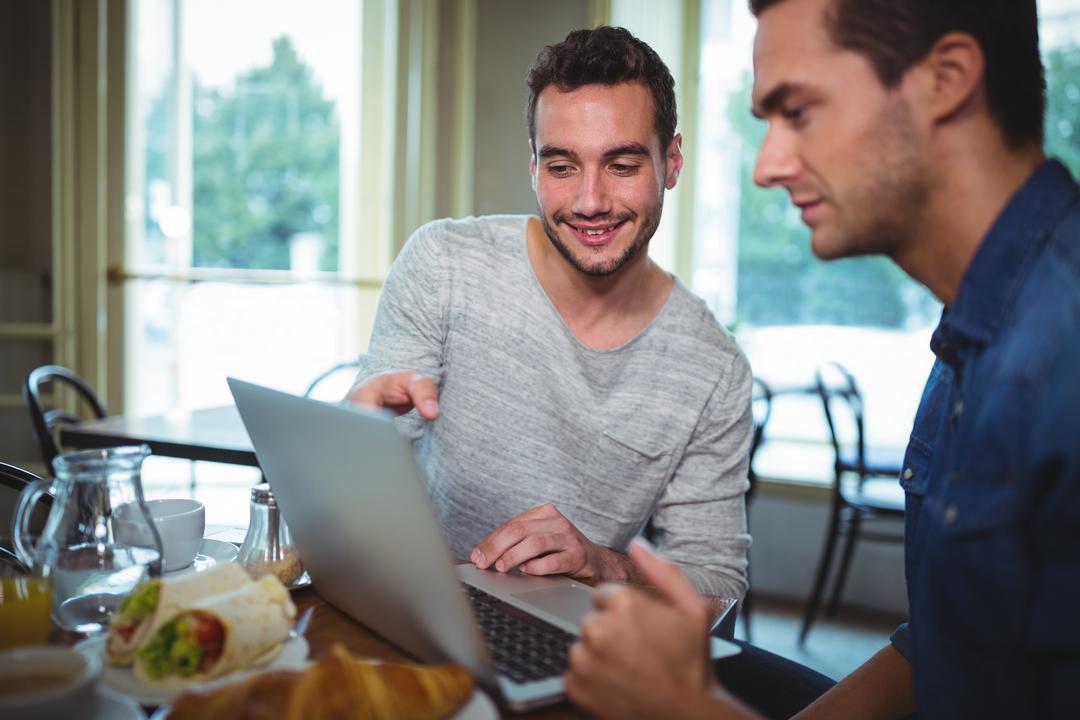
column 604, row 56
column 896, row 34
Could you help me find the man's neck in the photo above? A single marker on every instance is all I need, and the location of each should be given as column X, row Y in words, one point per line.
column 971, row 190
column 602, row 312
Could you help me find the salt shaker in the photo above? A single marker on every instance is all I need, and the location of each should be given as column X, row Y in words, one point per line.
column 268, row 547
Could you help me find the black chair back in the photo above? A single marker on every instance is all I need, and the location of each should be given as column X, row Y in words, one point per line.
column 761, row 402
column 46, row 421
column 12, row 482
column 842, row 404
column 329, row 373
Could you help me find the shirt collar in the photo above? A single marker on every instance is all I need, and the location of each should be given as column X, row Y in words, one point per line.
column 1003, row 259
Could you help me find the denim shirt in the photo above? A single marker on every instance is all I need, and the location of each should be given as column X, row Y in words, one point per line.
column 992, row 475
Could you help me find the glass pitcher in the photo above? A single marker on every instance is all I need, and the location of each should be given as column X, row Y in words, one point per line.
column 99, row 540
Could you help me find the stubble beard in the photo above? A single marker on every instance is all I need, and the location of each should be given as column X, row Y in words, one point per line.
column 610, row 267
column 889, row 206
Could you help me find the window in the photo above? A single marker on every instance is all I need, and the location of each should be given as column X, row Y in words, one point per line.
column 245, row 251
column 242, row 175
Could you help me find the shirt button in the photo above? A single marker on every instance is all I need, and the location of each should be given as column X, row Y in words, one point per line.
column 957, row 409
column 951, row 514
column 908, row 473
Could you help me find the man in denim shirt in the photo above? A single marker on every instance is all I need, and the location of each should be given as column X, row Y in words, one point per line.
column 914, row 130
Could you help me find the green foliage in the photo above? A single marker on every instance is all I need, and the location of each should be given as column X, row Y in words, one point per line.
column 1063, row 106
column 265, row 166
column 782, row 283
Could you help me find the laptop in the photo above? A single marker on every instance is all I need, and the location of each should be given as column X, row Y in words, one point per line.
column 357, row 504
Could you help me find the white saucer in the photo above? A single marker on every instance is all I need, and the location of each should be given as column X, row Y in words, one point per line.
column 121, row 680
column 211, row 552
column 113, row 706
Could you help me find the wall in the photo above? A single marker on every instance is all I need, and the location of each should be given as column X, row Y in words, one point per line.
column 26, row 208
column 509, row 33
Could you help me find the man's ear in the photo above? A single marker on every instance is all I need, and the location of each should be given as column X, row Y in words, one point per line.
column 955, row 69
column 674, row 161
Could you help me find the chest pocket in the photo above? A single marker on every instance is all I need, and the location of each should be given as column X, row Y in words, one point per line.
column 626, row 476
column 983, row 473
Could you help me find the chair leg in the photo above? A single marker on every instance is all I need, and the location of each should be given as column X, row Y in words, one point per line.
column 745, row 608
column 823, row 571
column 845, row 562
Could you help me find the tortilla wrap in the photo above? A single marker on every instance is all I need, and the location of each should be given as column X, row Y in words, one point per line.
column 256, row 620
column 174, row 594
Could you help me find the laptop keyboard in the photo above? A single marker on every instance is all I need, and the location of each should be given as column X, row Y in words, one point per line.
column 523, row 648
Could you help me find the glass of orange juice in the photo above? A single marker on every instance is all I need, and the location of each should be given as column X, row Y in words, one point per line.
column 25, row 603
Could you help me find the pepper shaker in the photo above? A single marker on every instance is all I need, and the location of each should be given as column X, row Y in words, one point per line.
column 268, row 547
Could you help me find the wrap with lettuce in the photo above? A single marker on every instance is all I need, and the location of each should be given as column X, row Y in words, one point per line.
column 218, row 634
column 153, row 602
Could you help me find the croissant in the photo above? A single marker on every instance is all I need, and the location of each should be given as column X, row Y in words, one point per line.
column 339, row 686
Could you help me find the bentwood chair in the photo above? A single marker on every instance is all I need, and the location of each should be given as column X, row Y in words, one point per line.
column 328, row 383
column 12, row 481
column 865, row 485
column 761, row 401
column 47, row 420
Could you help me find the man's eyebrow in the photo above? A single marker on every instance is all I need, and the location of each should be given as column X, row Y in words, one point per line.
column 628, row 149
column 550, row 151
column 768, row 104
column 632, row 149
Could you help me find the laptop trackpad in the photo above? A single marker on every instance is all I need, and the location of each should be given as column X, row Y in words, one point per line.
column 568, row 602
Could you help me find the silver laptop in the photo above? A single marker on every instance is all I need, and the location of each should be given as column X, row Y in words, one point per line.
column 358, row 507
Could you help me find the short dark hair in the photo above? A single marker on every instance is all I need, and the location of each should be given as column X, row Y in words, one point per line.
column 896, row 34
column 604, row 56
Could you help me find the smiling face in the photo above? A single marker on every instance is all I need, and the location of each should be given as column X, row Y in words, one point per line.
column 600, row 174
column 842, row 144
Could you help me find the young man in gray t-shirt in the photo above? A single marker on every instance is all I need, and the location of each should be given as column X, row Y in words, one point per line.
column 563, row 389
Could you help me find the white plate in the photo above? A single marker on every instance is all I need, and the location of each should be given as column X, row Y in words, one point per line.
column 211, row 552
column 121, row 680
column 479, row 707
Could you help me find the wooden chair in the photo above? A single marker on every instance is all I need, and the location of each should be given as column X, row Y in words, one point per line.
column 46, row 421
column 865, row 484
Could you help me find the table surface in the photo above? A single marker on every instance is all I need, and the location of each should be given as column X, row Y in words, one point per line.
column 211, row 434
column 329, row 626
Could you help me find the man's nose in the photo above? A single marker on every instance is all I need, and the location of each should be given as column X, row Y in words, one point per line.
column 777, row 163
column 592, row 196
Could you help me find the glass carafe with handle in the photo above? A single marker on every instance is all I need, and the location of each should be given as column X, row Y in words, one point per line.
column 99, row 539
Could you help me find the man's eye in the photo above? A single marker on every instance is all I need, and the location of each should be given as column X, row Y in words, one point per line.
column 560, row 170
column 795, row 114
column 623, row 168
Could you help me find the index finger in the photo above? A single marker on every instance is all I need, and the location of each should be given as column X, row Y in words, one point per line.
column 504, row 537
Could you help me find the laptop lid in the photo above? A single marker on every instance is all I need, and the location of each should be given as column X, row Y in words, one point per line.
column 357, row 505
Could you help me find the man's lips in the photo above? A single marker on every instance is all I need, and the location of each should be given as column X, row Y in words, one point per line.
column 595, row 234
column 809, row 208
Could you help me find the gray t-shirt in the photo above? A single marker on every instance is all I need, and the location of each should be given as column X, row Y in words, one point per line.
column 658, row 427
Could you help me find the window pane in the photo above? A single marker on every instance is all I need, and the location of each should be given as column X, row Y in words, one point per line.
column 239, row 155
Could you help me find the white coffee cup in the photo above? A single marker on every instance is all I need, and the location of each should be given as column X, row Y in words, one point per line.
column 180, row 522
column 45, row 682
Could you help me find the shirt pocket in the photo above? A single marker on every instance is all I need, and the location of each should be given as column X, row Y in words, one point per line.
column 983, row 480
column 626, row 477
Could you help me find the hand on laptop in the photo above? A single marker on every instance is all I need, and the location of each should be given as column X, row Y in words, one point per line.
column 645, row 658
column 399, row 391
column 541, row 541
